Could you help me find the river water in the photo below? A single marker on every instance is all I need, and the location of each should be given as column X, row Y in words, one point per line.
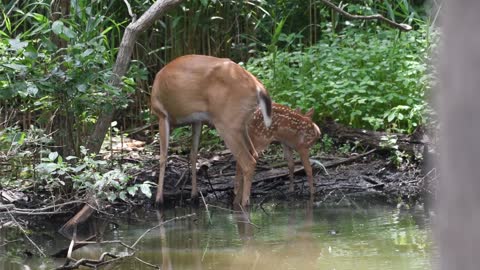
column 276, row 236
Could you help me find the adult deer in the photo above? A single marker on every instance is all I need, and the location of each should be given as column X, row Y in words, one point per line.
column 193, row 89
column 293, row 130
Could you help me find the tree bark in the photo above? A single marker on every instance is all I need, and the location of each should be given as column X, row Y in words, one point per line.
column 62, row 119
column 119, row 69
column 411, row 144
column 457, row 220
column 95, row 140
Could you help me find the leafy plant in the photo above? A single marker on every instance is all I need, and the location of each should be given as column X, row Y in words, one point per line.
column 90, row 175
column 374, row 79
column 397, row 157
column 71, row 82
column 327, row 143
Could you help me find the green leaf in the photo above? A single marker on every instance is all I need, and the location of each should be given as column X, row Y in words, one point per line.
column 87, row 52
column 112, row 196
column 32, row 89
column 16, row 67
column 391, row 116
column 16, row 44
column 52, row 156
column 48, row 167
column 81, row 88
column 204, row 2
column 79, row 168
column 132, row 190
column 123, row 195
column 67, row 31
column 57, row 27
column 145, row 188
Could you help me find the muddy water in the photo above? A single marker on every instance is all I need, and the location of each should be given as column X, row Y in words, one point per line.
column 279, row 236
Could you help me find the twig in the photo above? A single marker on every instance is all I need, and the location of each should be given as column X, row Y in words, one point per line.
column 226, row 209
column 161, row 224
column 181, row 177
column 401, row 26
column 8, row 242
column 70, row 247
column 105, row 242
column 8, row 12
column 25, row 233
column 248, row 217
column 94, row 263
column 134, row 17
column 102, row 259
column 326, row 197
column 206, row 207
column 26, row 211
column 347, row 160
column 211, row 186
column 350, row 200
column 147, row 263
column 314, row 161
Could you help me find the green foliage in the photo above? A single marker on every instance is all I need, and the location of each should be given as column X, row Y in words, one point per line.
column 397, row 157
column 19, row 150
column 374, row 79
column 74, row 80
column 327, row 143
column 89, row 174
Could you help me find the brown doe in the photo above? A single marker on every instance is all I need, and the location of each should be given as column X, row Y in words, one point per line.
column 293, row 130
column 193, row 89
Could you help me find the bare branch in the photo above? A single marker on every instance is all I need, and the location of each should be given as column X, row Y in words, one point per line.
column 26, row 235
column 161, row 224
column 134, row 16
column 37, row 211
column 147, row 263
column 401, row 26
column 102, row 259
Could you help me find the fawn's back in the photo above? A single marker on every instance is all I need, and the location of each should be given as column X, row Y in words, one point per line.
column 288, row 127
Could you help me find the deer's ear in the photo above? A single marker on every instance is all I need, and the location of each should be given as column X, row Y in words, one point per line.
column 297, row 110
column 309, row 114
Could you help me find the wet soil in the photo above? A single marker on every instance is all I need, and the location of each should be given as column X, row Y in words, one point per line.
column 348, row 180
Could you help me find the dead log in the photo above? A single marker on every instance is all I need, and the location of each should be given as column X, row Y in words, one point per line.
column 410, row 144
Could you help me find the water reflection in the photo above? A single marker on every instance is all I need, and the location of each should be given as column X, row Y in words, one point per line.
column 279, row 236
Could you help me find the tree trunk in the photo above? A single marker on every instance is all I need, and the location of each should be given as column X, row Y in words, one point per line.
column 121, row 64
column 95, row 141
column 62, row 119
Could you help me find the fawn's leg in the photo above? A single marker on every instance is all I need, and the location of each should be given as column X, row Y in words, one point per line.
column 288, row 154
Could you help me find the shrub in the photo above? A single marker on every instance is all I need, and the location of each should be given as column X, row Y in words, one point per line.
column 374, row 79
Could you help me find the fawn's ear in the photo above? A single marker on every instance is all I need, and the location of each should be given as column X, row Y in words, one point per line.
column 309, row 114
column 297, row 110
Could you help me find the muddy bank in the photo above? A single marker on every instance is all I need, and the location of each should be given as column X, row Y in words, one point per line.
column 367, row 178
column 355, row 179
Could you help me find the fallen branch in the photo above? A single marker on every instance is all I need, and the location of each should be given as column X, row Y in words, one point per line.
column 102, row 260
column 37, row 211
column 410, row 144
column 161, row 224
column 25, row 233
column 348, row 160
column 401, row 26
